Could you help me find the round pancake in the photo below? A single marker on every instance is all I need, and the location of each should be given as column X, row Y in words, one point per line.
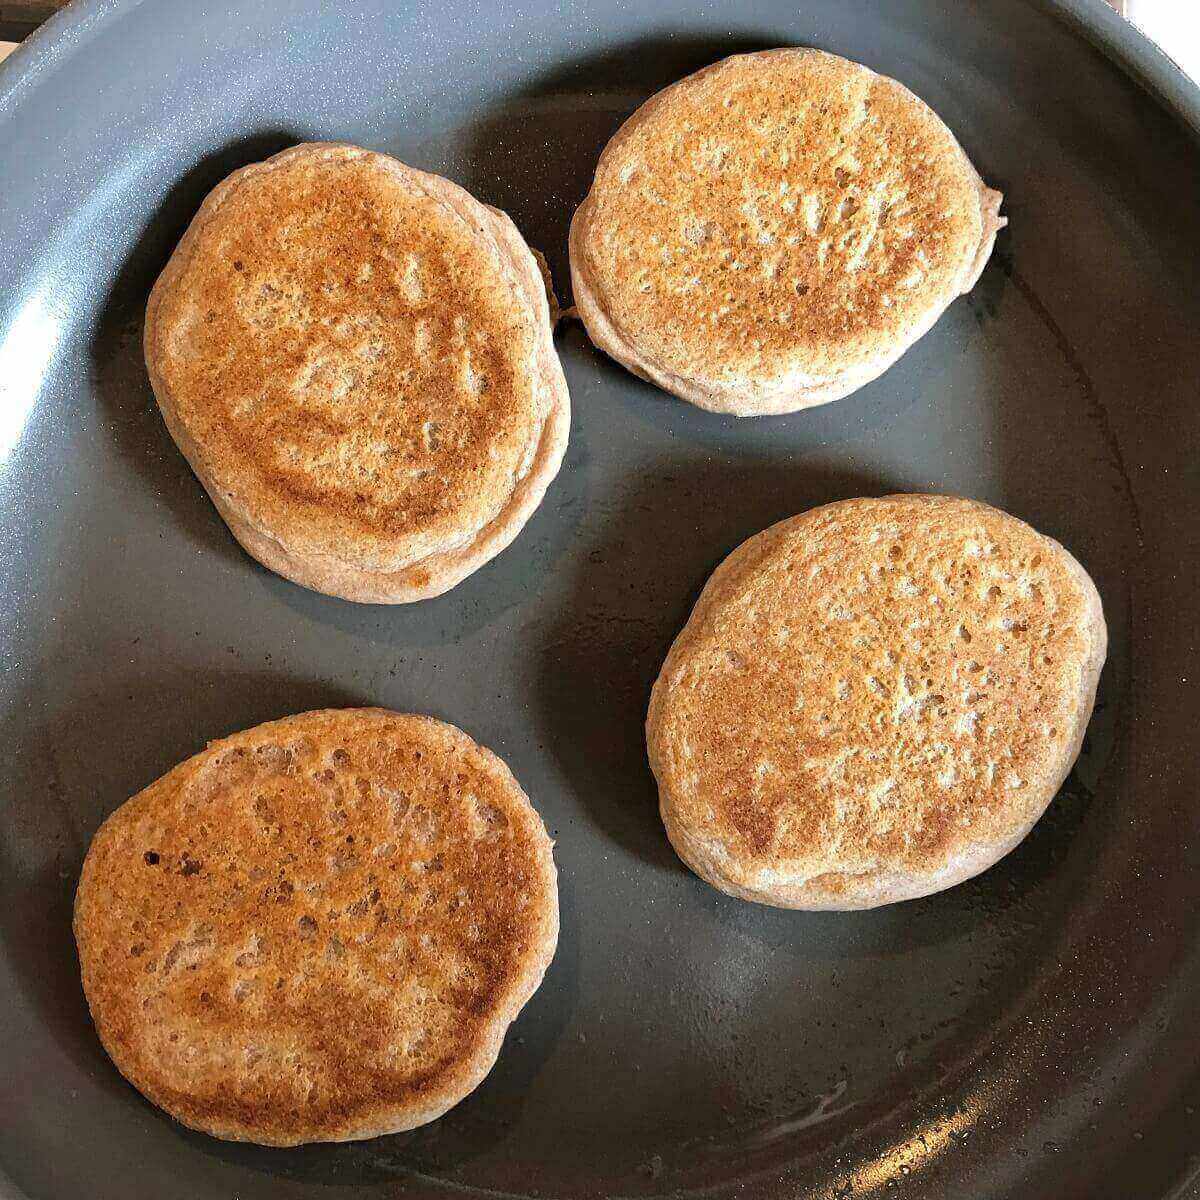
column 318, row 929
column 357, row 360
column 873, row 701
column 774, row 231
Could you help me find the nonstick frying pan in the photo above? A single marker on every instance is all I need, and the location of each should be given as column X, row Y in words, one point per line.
column 1031, row 1034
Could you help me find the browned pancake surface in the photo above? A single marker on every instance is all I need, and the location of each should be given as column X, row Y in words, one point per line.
column 780, row 214
column 352, row 356
column 872, row 698
column 317, row 929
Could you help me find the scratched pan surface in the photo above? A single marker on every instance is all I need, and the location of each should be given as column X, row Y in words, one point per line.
column 1030, row 1034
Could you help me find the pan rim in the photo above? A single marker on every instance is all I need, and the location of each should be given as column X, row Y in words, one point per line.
column 1095, row 21
column 53, row 46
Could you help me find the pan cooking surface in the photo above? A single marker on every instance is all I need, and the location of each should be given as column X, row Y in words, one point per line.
column 1029, row 1034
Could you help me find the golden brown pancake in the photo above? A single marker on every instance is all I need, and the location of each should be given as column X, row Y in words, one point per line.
column 774, row 231
column 318, row 929
column 356, row 359
column 873, row 701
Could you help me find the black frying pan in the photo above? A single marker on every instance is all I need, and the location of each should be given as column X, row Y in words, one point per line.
column 1031, row 1034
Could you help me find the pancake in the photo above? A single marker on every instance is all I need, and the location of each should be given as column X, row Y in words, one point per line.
column 357, row 360
column 774, row 231
column 318, row 929
column 873, row 701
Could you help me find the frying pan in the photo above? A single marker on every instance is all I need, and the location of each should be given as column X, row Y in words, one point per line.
column 1032, row 1033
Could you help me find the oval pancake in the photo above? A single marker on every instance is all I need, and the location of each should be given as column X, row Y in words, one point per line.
column 318, row 929
column 357, row 360
column 873, row 701
column 774, row 231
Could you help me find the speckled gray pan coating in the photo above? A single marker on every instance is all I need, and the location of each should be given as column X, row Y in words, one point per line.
column 1029, row 1035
